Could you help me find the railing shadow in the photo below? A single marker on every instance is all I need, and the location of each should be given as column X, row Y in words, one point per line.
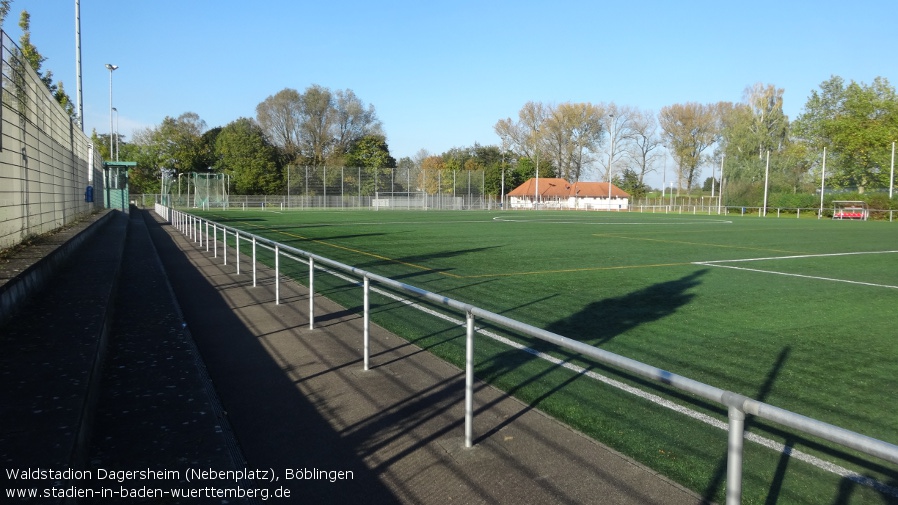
column 276, row 426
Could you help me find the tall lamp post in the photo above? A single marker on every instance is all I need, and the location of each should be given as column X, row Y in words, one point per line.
column 110, row 67
column 610, row 159
column 536, row 189
column 115, row 110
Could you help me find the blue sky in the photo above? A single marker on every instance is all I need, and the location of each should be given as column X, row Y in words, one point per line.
column 441, row 74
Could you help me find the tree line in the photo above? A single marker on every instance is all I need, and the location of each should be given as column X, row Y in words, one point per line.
column 319, row 127
column 856, row 122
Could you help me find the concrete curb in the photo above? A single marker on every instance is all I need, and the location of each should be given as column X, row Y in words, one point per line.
column 30, row 276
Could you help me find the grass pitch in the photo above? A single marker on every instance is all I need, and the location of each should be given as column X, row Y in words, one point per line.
column 798, row 313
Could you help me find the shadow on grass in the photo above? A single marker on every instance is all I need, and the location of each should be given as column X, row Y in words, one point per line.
column 602, row 320
column 597, row 323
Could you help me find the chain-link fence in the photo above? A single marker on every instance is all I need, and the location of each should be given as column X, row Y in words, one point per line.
column 46, row 161
column 346, row 188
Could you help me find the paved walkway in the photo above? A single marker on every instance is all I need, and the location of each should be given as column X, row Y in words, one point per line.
column 219, row 377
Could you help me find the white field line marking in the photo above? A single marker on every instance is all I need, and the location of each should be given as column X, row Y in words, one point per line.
column 719, row 263
column 674, row 223
column 766, row 442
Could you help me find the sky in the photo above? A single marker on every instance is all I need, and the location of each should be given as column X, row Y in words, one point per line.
column 440, row 74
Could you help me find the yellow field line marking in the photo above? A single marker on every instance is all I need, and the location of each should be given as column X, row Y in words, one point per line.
column 478, row 276
column 356, row 251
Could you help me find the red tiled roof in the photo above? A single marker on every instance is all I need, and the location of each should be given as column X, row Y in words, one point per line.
column 560, row 188
column 548, row 188
column 597, row 189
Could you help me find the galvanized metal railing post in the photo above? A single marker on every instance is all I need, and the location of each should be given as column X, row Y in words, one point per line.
column 214, row 240
column 469, row 380
column 311, row 293
column 224, row 244
column 277, row 275
column 254, row 261
column 366, row 334
column 207, row 235
column 734, row 456
column 237, row 238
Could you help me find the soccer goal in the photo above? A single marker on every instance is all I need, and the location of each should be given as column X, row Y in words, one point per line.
column 209, row 190
column 398, row 200
column 850, row 209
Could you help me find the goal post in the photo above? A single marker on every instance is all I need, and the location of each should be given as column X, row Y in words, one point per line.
column 850, row 209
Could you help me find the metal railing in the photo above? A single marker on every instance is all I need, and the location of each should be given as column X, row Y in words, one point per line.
column 737, row 405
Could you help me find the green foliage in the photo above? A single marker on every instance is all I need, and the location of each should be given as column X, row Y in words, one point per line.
column 793, row 201
column 857, row 122
column 253, row 163
column 36, row 60
column 317, row 127
column 628, row 181
column 370, row 151
column 689, row 130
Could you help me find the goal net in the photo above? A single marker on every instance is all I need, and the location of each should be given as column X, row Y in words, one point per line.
column 209, row 190
column 850, row 209
column 399, row 200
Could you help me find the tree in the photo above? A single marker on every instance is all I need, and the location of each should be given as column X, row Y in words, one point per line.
column 34, row 58
column 430, row 176
column 769, row 125
column 318, row 126
column 689, row 129
column 175, row 145
column 279, row 116
column 5, row 6
column 628, row 180
column 643, row 144
column 522, row 136
column 573, row 133
column 564, row 137
column 244, row 152
column 370, row 151
column 858, row 123
column 353, row 122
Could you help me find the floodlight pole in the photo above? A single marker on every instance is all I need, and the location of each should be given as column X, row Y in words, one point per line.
column 892, row 175
column 111, row 68
column 766, row 182
column 78, row 93
column 610, row 160
column 536, row 189
column 822, row 182
column 720, row 189
column 115, row 110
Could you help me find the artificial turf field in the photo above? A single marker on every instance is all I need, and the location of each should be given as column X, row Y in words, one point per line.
column 798, row 313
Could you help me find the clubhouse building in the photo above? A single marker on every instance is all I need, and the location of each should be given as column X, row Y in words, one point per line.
column 551, row 193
